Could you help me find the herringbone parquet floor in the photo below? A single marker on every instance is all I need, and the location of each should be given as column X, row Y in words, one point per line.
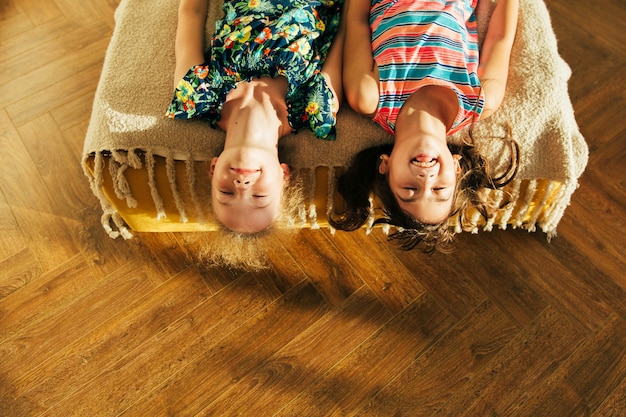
column 506, row 325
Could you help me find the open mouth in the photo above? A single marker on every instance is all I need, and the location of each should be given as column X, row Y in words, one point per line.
column 424, row 162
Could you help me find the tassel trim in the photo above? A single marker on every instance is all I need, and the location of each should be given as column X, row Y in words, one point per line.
column 533, row 203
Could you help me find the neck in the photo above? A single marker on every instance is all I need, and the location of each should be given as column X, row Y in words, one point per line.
column 255, row 114
column 429, row 111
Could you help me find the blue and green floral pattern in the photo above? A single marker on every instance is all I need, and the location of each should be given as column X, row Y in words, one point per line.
column 255, row 38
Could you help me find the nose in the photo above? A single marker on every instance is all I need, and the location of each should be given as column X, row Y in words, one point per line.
column 242, row 182
column 245, row 180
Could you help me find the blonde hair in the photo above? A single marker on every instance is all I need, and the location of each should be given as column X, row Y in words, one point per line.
column 235, row 250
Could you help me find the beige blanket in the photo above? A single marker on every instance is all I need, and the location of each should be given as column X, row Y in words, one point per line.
column 135, row 89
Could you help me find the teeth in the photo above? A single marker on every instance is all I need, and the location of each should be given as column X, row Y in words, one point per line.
column 420, row 164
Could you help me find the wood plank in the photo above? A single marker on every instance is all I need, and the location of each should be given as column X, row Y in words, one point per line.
column 603, row 215
column 591, row 112
column 37, row 58
column 394, row 284
column 581, row 382
column 77, row 110
column 325, row 267
column 31, row 37
column 40, row 12
column 282, row 273
column 229, row 360
column 105, row 255
column 286, row 270
column 504, row 272
column 50, row 157
column 130, row 327
column 69, row 102
column 64, row 307
column 546, row 278
column 13, row 239
column 529, row 358
column 194, row 245
column 305, row 359
column 605, row 13
column 447, row 367
column 9, row 9
column 85, row 50
column 88, row 11
column 164, row 257
column 17, row 271
column 448, row 281
column 595, row 256
column 170, row 351
column 351, row 383
column 615, row 403
column 74, row 139
column 32, row 206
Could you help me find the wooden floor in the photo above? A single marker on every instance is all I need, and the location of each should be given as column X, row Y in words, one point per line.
column 506, row 325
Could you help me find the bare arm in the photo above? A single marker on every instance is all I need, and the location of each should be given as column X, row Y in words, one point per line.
column 332, row 68
column 495, row 54
column 189, row 44
column 360, row 75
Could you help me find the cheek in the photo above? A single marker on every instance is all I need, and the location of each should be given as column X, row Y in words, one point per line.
column 218, row 183
column 396, row 176
column 274, row 184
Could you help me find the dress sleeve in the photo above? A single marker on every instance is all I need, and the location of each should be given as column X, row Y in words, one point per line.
column 199, row 93
column 314, row 106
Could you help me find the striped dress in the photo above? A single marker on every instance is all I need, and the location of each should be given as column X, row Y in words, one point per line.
column 416, row 43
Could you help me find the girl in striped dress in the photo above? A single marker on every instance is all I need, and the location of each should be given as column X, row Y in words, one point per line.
column 415, row 67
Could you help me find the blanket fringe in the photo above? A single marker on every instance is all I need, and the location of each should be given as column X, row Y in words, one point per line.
column 154, row 192
column 556, row 211
column 497, row 197
column 312, row 211
column 514, row 193
column 111, row 221
column 527, row 199
column 330, row 193
column 118, row 164
column 114, row 217
column 533, row 204
column 170, row 168
column 191, row 182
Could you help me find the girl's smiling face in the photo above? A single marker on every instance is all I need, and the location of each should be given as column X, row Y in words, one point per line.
column 246, row 188
column 422, row 178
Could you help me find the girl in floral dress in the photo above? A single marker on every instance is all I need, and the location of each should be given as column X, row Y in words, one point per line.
column 272, row 67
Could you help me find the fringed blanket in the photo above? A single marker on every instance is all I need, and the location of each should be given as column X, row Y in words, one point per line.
column 129, row 137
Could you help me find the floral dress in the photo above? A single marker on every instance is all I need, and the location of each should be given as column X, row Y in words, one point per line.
column 255, row 38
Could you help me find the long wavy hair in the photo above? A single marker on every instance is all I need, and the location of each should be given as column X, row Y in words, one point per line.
column 362, row 179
